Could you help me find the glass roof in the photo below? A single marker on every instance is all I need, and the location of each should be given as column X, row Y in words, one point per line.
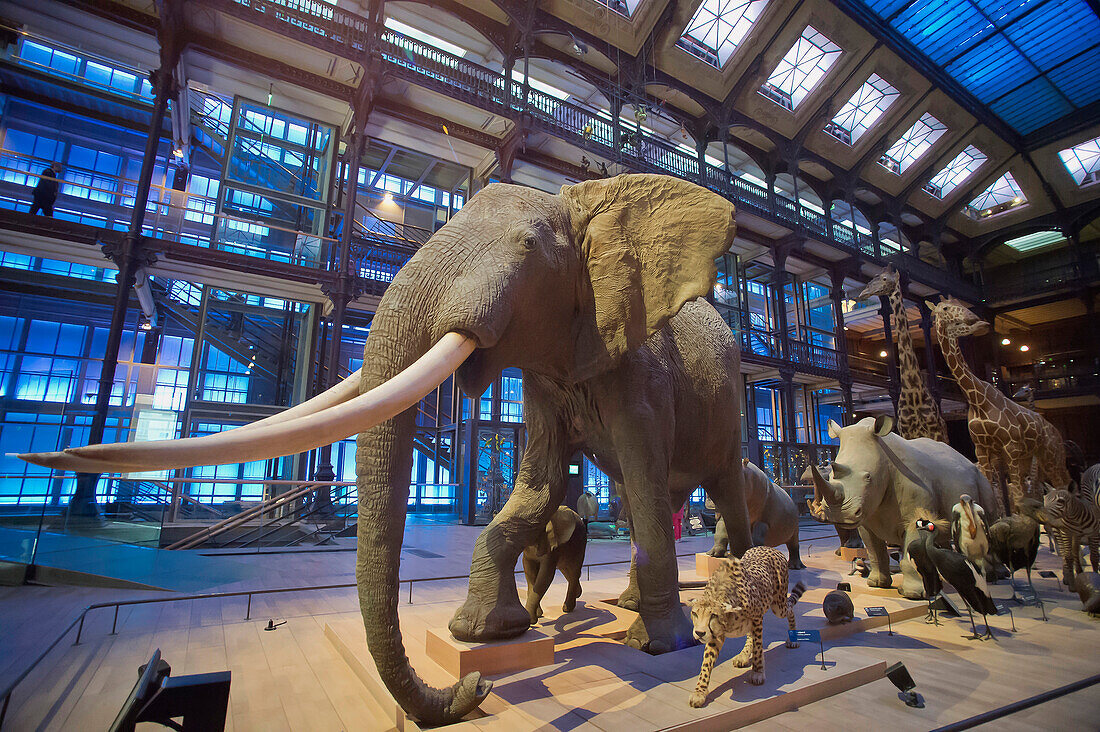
column 914, row 143
column 1031, row 62
column 1028, row 242
column 718, row 28
column 862, row 110
column 958, row 170
column 1083, row 160
column 1004, row 190
column 801, row 69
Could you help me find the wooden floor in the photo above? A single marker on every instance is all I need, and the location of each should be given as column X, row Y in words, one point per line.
column 295, row 678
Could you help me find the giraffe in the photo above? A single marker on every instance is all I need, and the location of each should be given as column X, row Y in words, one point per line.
column 1007, row 436
column 917, row 412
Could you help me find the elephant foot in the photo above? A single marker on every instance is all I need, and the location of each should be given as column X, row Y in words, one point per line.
column 657, row 635
column 631, row 599
column 476, row 622
column 877, row 578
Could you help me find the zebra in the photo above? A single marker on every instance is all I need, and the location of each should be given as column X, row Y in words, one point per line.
column 1073, row 519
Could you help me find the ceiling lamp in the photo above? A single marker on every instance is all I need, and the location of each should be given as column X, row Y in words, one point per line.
column 1024, row 348
column 882, row 354
column 1006, row 342
column 387, row 197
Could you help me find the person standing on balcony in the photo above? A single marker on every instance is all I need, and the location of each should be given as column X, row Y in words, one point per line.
column 45, row 193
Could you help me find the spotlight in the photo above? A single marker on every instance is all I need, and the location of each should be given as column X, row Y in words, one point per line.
column 178, row 152
column 1017, row 199
column 1006, row 342
column 882, row 354
column 899, row 677
column 146, row 325
column 1024, row 348
column 387, row 197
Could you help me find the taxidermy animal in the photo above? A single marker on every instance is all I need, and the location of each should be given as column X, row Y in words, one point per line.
column 1014, row 542
column 772, row 516
column 560, row 547
column 848, row 537
column 595, row 294
column 602, row 530
column 587, row 506
column 882, row 483
column 1088, row 589
column 1078, row 520
column 838, row 607
column 968, row 533
column 733, row 604
column 961, row 573
column 917, row 553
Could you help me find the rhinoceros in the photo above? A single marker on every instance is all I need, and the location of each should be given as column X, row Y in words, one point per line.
column 881, row 483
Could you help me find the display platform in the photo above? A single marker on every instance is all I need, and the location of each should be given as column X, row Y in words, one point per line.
column 314, row 671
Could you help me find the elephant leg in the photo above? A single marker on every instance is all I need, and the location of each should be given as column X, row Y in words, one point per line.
column 728, row 493
column 662, row 625
column 492, row 609
column 912, row 586
column 631, row 597
column 545, row 576
column 531, row 573
column 570, row 564
column 878, row 558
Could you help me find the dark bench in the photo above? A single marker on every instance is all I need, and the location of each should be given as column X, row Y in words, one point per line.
column 200, row 699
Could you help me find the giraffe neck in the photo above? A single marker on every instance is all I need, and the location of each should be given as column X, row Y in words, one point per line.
column 907, row 357
column 971, row 385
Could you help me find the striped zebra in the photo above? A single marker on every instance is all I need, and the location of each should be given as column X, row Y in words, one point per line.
column 1073, row 519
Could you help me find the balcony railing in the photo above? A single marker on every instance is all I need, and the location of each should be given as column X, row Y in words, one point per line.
column 328, row 26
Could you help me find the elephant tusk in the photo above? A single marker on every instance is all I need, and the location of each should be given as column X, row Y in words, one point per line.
column 321, row 426
column 338, row 394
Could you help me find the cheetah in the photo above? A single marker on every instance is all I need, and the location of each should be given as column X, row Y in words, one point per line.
column 734, row 602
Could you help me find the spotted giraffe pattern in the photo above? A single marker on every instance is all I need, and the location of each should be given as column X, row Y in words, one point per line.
column 1007, row 436
column 733, row 604
column 917, row 414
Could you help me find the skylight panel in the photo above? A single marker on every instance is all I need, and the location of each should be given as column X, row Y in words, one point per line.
column 802, row 69
column 623, row 7
column 862, row 110
column 427, row 38
column 1039, row 239
column 1004, row 194
column 914, row 143
column 956, row 172
column 1083, row 162
column 719, row 27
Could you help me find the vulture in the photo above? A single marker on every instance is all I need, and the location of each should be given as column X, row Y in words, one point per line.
column 1014, row 541
column 968, row 533
column 957, row 570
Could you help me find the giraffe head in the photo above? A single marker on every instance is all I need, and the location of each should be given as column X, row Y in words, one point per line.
column 883, row 284
column 954, row 320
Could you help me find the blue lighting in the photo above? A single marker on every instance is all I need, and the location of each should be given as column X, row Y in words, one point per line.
column 1032, row 62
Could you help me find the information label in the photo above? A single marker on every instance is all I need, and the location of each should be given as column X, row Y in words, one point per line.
column 811, row 636
column 875, row 612
column 1047, row 574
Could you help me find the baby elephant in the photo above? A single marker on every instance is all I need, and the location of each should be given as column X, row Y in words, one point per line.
column 560, row 547
column 772, row 515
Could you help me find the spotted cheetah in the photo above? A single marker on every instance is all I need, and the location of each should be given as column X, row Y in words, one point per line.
column 734, row 602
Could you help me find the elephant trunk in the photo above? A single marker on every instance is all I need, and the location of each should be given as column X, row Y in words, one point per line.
column 384, row 460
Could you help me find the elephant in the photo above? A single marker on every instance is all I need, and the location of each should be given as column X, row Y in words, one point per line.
column 772, row 516
column 595, row 294
column 560, row 547
column 882, row 483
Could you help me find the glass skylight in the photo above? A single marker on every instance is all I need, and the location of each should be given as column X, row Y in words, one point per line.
column 956, row 172
column 624, row 7
column 1083, row 161
column 862, row 110
column 1028, row 242
column 415, row 33
column 718, row 28
column 1004, row 194
column 914, row 143
column 804, row 66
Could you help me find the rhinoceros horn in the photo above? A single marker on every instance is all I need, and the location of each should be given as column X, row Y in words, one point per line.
column 822, row 489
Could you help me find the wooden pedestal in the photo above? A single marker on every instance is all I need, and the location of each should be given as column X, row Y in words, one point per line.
column 530, row 650
column 705, row 565
column 850, row 555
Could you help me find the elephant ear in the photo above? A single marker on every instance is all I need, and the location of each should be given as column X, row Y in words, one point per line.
column 561, row 527
column 648, row 243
